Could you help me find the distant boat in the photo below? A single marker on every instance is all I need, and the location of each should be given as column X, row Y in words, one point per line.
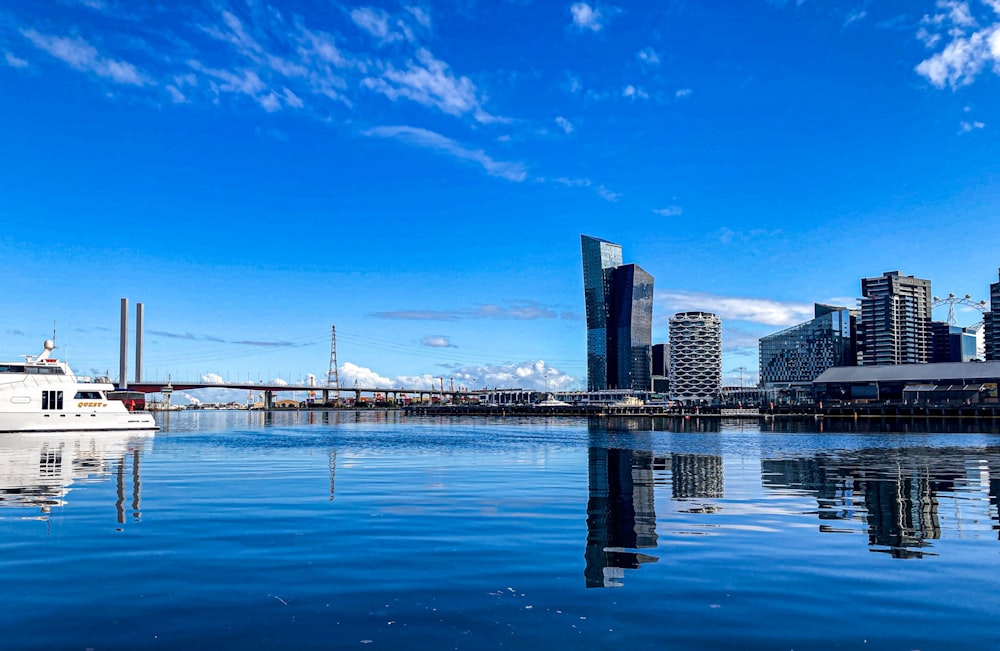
column 550, row 401
column 41, row 394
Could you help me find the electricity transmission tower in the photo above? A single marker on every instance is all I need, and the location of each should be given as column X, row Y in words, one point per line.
column 332, row 375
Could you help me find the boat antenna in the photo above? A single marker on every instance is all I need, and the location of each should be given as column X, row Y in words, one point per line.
column 53, row 331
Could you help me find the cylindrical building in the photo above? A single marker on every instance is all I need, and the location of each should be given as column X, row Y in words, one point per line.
column 695, row 357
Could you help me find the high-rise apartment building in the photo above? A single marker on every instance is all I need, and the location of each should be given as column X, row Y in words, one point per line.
column 630, row 329
column 800, row 353
column 991, row 325
column 619, row 305
column 600, row 259
column 895, row 325
column 695, row 356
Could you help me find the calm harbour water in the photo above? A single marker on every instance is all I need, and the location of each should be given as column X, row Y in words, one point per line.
column 378, row 530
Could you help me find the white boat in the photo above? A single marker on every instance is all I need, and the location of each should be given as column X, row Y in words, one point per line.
column 41, row 394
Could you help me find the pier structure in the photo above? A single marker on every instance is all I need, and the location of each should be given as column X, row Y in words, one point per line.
column 399, row 396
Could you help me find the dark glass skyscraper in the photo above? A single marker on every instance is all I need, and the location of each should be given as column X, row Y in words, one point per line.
column 619, row 304
column 600, row 259
column 630, row 329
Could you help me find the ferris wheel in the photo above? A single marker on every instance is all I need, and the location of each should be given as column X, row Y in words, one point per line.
column 951, row 301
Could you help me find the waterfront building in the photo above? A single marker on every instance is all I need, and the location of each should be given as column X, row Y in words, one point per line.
column 950, row 343
column 630, row 329
column 695, row 357
column 800, row 353
column 600, row 259
column 991, row 324
column 895, row 320
column 945, row 382
column 619, row 308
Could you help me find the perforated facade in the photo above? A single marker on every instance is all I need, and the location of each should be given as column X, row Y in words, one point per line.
column 695, row 356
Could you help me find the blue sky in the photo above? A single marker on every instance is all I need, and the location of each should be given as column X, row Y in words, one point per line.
column 419, row 174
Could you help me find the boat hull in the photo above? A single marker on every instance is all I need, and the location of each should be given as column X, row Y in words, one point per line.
column 77, row 422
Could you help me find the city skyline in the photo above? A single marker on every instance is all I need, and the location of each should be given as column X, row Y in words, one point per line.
column 417, row 174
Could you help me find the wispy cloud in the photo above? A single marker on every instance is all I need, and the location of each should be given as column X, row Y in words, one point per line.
column 608, row 195
column 854, row 16
column 634, row 92
column 14, row 61
column 419, row 315
column 80, row 55
column 515, row 310
column 669, row 211
column 966, row 127
column 564, row 124
column 755, row 310
column 187, row 336
column 572, row 183
column 649, row 56
column 437, row 341
column 430, row 82
column 512, row 171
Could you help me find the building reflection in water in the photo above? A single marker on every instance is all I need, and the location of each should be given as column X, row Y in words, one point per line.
column 39, row 470
column 897, row 495
column 621, row 515
column 623, row 473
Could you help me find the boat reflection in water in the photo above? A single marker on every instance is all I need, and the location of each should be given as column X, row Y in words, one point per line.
column 899, row 493
column 38, row 470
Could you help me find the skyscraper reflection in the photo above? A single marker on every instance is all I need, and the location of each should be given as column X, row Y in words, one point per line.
column 621, row 514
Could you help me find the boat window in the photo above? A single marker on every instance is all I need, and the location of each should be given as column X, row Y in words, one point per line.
column 11, row 368
column 52, row 400
column 88, row 395
column 44, row 370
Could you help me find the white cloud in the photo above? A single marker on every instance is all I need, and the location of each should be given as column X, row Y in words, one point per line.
column 212, row 378
column 292, row 99
column 431, row 140
column 15, row 62
column 572, row 183
column 756, row 310
column 683, row 92
column 855, row 16
column 437, row 341
column 969, row 49
column 534, row 375
column 588, row 17
column 607, row 194
column 634, row 92
column 176, row 96
column 564, row 124
column 966, row 127
column 962, row 59
column 649, row 56
column 80, row 55
column 351, row 374
column 373, row 21
column 430, row 82
column 669, row 211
